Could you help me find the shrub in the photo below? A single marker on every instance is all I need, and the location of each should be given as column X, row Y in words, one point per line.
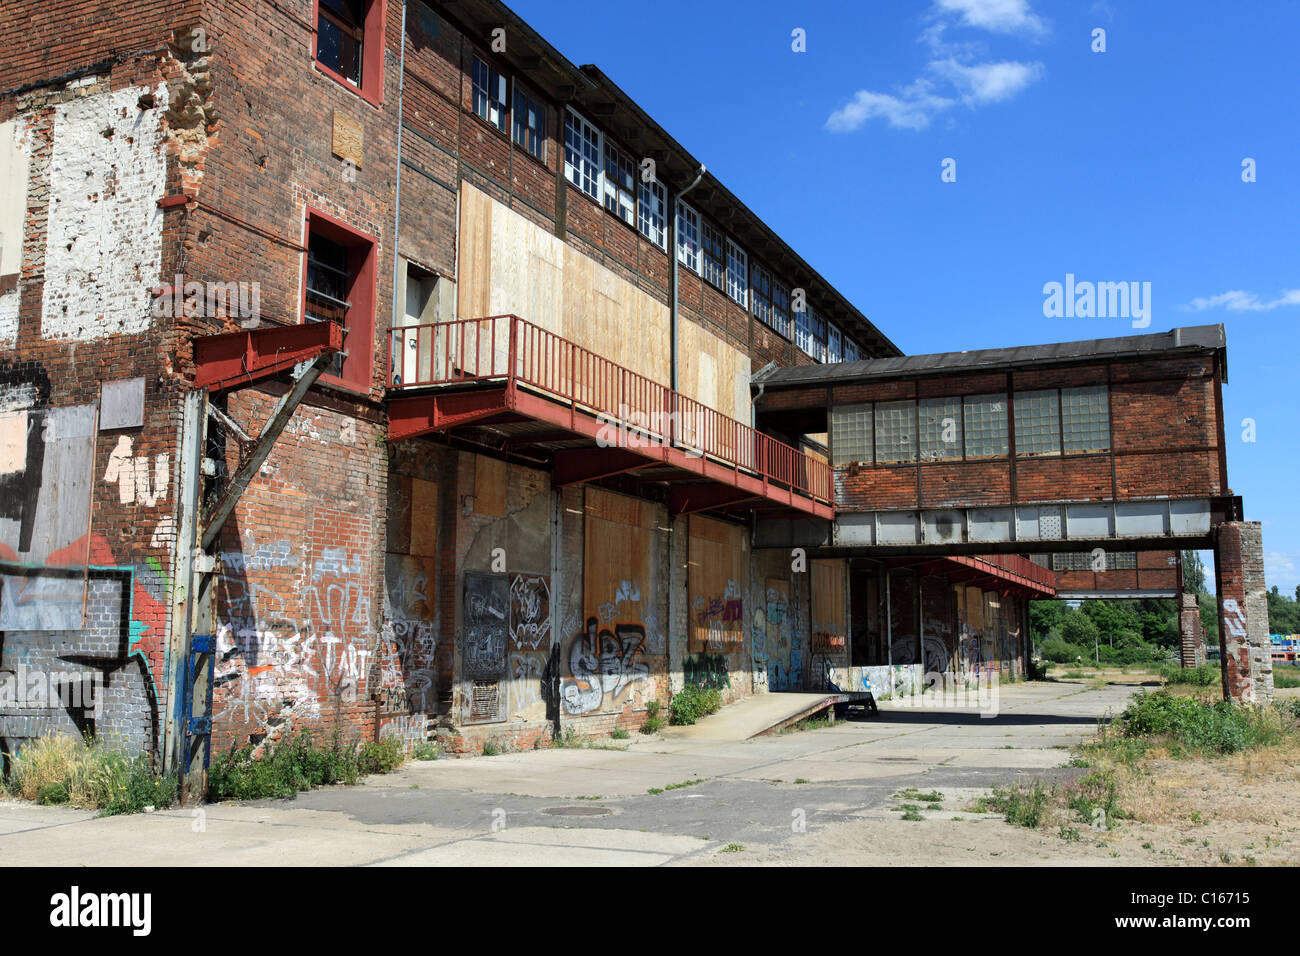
column 691, row 703
column 620, row 733
column 1023, row 804
column 1198, row 726
column 297, row 763
column 1058, row 651
column 425, row 751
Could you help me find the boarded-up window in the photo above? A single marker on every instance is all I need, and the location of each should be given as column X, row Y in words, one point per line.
column 829, row 609
column 718, row 561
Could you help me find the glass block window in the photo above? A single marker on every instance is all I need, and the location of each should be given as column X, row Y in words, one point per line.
column 895, row 431
column 620, row 184
column 688, row 237
column 737, row 273
column 490, row 94
column 851, row 433
column 714, row 262
column 1085, row 417
column 985, row 426
column 530, row 124
column 1038, row 423
column 582, row 154
column 653, row 213
column 940, row 428
column 1082, row 561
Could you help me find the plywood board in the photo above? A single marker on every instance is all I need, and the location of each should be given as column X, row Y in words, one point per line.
column 511, row 266
column 718, row 559
column 424, row 517
column 829, row 608
column 489, row 486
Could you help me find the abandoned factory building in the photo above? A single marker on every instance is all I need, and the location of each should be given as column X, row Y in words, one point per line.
column 367, row 364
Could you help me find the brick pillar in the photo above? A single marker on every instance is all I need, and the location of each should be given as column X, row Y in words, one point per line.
column 1189, row 627
column 1243, row 612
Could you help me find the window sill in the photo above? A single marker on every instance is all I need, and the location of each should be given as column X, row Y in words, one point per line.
column 368, row 96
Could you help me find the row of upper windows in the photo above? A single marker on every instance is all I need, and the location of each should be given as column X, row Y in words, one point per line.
column 1048, row 422
column 608, row 175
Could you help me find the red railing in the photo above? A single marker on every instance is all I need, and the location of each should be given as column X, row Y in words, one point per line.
column 632, row 406
column 1016, row 564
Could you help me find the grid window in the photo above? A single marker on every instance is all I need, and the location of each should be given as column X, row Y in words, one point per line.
column 781, row 308
column 653, row 213
column 760, row 302
column 985, row 426
column 817, row 330
column 737, row 273
column 895, row 431
column 940, row 428
column 715, row 266
column 328, row 279
column 530, row 124
column 1038, row 423
column 620, row 184
column 803, row 332
column 489, row 94
column 582, row 154
column 340, row 37
column 1085, row 415
column 851, row 434
column 834, row 344
column 688, row 237
column 851, row 353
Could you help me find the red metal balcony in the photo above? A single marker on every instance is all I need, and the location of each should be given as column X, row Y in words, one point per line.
column 513, row 387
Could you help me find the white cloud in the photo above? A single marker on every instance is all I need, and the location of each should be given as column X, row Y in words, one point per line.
column 913, row 108
column 988, row 82
column 997, row 16
column 1237, row 300
column 1283, row 570
column 954, row 74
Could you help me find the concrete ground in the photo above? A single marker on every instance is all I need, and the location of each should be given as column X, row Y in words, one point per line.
column 779, row 797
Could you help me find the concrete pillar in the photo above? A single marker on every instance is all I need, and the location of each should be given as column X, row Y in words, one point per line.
column 1244, row 648
column 1189, row 628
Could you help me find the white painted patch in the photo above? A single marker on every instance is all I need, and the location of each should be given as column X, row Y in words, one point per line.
column 103, row 251
column 16, row 397
column 13, row 442
column 15, row 164
column 131, row 474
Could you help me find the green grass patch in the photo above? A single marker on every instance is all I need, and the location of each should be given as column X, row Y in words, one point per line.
column 691, row 703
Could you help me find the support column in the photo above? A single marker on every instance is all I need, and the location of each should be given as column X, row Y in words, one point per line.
column 1189, row 628
column 1243, row 612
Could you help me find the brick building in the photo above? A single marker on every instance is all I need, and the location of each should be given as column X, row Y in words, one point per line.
column 343, row 347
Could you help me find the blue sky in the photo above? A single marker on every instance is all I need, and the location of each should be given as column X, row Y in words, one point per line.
column 1117, row 166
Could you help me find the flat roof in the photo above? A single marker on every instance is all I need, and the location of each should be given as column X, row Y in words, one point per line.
column 1191, row 339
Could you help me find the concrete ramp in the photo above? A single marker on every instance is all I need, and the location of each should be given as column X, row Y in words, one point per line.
column 754, row 716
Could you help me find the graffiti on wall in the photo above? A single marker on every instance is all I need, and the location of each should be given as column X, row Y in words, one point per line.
column 706, row 671
column 784, row 651
column 530, row 642
column 718, row 621
column 487, row 610
column 284, row 649
column 602, row 661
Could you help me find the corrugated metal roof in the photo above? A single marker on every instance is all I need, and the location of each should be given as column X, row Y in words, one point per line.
column 1197, row 338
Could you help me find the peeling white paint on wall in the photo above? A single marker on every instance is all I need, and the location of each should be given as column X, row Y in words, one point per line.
column 103, row 251
column 15, row 164
column 131, row 474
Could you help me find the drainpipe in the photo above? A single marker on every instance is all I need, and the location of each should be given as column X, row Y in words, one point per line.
column 397, row 204
column 672, row 251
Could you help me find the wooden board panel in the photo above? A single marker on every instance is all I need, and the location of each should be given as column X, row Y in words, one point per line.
column 489, row 486
column 424, row 517
column 717, row 561
column 510, row 265
column 606, row 662
column 829, row 608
